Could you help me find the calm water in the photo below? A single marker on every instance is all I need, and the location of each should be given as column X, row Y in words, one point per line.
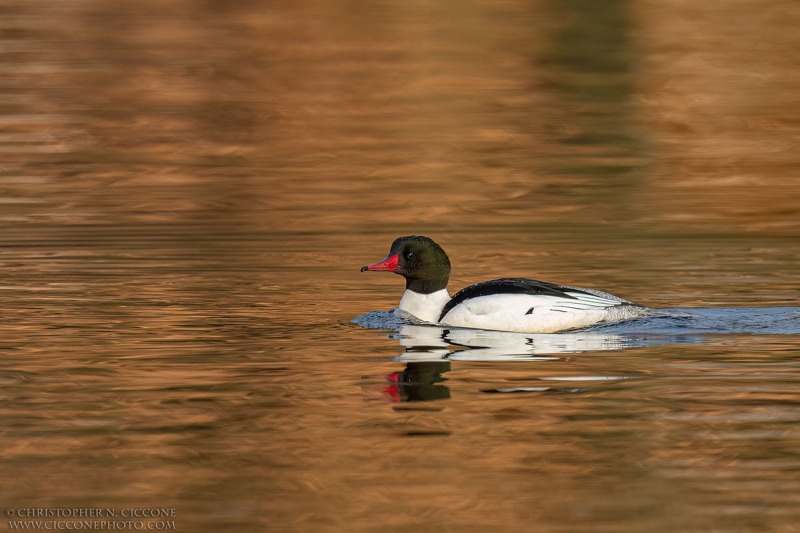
column 188, row 190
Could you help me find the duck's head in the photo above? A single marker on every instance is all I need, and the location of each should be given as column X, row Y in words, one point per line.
column 418, row 259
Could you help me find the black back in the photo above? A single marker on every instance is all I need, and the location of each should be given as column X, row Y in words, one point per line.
column 508, row 286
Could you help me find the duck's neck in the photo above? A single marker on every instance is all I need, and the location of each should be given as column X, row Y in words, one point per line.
column 426, row 307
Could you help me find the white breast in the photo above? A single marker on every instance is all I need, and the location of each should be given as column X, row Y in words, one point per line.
column 426, row 307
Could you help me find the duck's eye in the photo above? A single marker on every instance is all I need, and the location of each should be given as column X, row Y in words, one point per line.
column 409, row 255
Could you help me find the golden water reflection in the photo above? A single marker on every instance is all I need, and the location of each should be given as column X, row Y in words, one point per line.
column 187, row 190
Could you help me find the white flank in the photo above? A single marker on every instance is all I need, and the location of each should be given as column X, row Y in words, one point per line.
column 526, row 313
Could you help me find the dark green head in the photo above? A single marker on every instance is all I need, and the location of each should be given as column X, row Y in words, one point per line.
column 418, row 259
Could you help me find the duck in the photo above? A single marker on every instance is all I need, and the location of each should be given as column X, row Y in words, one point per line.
column 519, row 305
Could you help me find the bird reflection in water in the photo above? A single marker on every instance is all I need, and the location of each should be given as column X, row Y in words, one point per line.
column 429, row 351
column 419, row 382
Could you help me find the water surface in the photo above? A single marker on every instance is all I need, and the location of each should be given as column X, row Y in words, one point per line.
column 187, row 191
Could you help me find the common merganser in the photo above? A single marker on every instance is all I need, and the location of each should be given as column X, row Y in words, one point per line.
column 508, row 304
